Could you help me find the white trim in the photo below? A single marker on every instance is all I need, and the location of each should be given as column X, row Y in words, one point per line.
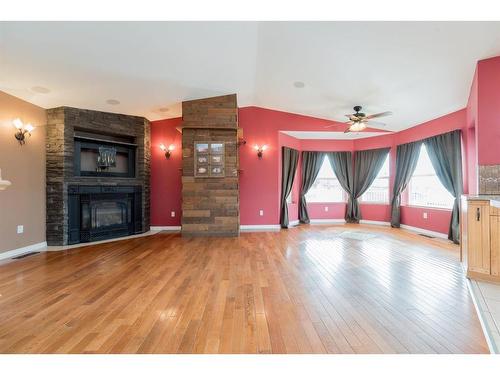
column 81, row 244
column 168, row 228
column 480, row 305
column 327, row 221
column 425, row 231
column 253, row 228
column 41, row 246
column 375, row 222
column 293, row 223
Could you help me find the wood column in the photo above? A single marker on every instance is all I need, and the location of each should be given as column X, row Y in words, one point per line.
column 210, row 205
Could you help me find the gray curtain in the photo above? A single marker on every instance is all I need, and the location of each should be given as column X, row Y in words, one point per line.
column 311, row 164
column 406, row 160
column 341, row 163
column 445, row 152
column 367, row 165
column 289, row 160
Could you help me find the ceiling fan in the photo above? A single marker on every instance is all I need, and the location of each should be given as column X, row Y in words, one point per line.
column 359, row 121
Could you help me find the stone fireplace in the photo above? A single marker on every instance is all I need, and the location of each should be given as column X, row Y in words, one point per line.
column 87, row 199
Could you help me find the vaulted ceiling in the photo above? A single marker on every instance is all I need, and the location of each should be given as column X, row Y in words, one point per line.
column 418, row 70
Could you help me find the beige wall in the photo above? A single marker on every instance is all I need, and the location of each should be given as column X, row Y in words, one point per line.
column 23, row 203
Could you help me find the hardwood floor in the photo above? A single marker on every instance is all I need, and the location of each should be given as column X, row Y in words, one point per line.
column 311, row 289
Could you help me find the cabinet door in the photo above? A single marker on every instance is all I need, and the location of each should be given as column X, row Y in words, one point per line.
column 463, row 231
column 495, row 244
column 478, row 241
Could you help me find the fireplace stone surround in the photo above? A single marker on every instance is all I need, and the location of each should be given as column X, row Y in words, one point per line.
column 63, row 123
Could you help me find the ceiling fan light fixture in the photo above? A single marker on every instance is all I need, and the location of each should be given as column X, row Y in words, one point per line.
column 358, row 126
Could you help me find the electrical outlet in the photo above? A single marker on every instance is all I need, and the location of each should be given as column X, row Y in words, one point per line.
column 261, row 213
column 424, row 215
column 20, row 229
column 326, row 208
column 172, row 214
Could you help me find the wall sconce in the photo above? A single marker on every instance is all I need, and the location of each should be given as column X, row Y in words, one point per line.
column 260, row 150
column 4, row 184
column 167, row 151
column 23, row 131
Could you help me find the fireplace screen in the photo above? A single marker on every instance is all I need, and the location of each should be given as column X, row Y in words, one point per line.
column 102, row 212
column 106, row 214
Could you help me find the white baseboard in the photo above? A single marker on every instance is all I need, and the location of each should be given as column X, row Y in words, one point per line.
column 425, row 231
column 293, row 223
column 327, row 221
column 41, row 246
column 243, row 228
column 375, row 222
column 254, row 228
column 174, row 228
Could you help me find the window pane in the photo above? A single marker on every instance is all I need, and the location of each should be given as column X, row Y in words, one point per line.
column 424, row 188
column 326, row 188
column 378, row 192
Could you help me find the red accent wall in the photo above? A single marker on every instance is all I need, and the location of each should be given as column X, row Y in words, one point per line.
column 165, row 173
column 260, row 181
column 488, row 115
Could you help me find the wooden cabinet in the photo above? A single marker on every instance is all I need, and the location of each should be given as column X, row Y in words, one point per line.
column 478, row 224
column 480, row 245
column 495, row 244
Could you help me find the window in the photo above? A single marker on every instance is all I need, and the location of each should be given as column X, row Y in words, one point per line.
column 326, row 188
column 424, row 188
column 378, row 192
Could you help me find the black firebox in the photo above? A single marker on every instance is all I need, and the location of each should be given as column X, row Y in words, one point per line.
column 102, row 212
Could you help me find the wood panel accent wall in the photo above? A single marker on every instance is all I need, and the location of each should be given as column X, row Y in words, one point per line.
column 210, row 205
column 61, row 125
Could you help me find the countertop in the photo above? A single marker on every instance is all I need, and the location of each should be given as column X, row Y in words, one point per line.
column 494, row 199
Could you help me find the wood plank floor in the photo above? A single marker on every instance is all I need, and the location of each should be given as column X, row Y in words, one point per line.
column 311, row 289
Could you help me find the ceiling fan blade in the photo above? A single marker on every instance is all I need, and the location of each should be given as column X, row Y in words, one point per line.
column 376, row 123
column 381, row 114
column 347, row 123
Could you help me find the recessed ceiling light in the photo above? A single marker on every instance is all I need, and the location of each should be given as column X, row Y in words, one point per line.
column 164, row 109
column 299, row 84
column 40, row 89
column 113, row 102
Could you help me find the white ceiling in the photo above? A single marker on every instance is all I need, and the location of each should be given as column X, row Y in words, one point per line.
column 418, row 70
column 331, row 134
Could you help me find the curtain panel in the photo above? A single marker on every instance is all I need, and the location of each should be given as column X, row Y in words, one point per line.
column 289, row 161
column 406, row 160
column 367, row 165
column 445, row 152
column 311, row 164
column 341, row 163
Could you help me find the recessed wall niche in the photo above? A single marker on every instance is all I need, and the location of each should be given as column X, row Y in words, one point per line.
column 209, row 159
